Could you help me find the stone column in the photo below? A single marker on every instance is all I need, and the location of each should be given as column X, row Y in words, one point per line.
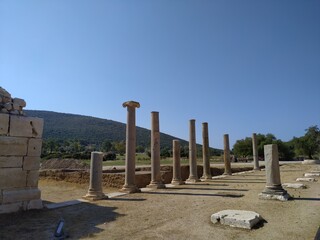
column 273, row 189
column 255, row 152
column 193, row 176
column 95, row 185
column 227, row 164
column 156, row 181
column 176, row 171
column 129, row 185
column 205, row 152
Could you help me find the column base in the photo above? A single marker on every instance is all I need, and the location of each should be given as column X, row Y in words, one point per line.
column 130, row 189
column 95, row 196
column 156, row 185
column 206, row 177
column 177, row 182
column 192, row 180
column 275, row 193
column 227, row 173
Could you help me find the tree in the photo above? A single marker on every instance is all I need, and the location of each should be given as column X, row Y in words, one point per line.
column 106, row 146
column 120, row 147
column 309, row 144
column 243, row 148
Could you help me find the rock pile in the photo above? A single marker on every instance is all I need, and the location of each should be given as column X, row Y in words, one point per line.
column 11, row 105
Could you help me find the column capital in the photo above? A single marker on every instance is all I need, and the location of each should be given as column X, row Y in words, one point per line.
column 131, row 104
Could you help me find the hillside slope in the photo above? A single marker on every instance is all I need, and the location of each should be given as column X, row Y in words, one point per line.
column 91, row 130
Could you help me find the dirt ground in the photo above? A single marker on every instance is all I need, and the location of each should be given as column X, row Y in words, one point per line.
column 181, row 212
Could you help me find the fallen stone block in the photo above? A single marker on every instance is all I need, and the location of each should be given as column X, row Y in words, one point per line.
column 273, row 196
column 312, row 174
column 305, row 179
column 294, row 185
column 311, row 161
column 237, row 218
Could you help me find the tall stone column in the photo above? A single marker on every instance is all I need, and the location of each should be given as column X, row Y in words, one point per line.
column 176, row 171
column 129, row 185
column 193, row 176
column 255, row 152
column 205, row 152
column 227, row 164
column 95, row 185
column 273, row 189
column 156, row 181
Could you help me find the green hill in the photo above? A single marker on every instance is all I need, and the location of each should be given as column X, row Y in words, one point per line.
column 91, row 130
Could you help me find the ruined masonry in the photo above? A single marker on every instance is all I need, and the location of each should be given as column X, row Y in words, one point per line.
column 20, row 149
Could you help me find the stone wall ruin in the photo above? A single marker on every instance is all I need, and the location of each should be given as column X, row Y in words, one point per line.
column 20, row 150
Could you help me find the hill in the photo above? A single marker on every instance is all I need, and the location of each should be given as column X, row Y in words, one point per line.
column 91, row 130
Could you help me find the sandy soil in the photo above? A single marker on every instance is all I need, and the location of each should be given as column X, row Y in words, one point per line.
column 181, row 212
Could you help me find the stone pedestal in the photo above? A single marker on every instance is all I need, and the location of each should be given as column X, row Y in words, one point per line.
column 176, row 175
column 255, row 153
column 156, row 181
column 129, row 185
column 226, row 156
column 95, row 185
column 193, row 176
column 205, row 152
column 273, row 189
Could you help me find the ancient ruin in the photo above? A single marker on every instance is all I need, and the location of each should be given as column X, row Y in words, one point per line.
column 20, row 150
column 95, row 184
column 205, row 152
column 176, row 170
column 255, row 152
column 129, row 185
column 193, row 176
column 273, row 189
column 156, row 181
column 226, row 156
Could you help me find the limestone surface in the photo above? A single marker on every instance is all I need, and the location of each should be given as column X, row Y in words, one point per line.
column 306, row 179
column 294, row 185
column 237, row 218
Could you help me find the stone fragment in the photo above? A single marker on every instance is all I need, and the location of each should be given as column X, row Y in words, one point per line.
column 35, row 204
column 4, row 124
column 20, row 102
column 4, row 93
column 11, row 162
column 13, row 146
column 311, row 161
column 305, row 179
column 312, row 174
column 12, row 177
column 21, row 126
column 31, row 163
column 34, row 147
column 8, row 106
column 236, row 218
column 294, row 185
column 18, row 195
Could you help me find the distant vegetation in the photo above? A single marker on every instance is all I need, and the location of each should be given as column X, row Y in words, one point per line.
column 305, row 146
column 76, row 136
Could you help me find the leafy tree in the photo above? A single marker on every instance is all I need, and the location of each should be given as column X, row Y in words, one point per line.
column 120, row 147
column 243, row 148
column 106, row 146
column 309, row 144
column 109, row 156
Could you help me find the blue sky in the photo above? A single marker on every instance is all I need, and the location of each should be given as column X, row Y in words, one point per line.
column 242, row 66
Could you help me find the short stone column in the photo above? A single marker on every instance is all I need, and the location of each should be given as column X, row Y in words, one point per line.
column 129, row 185
column 226, row 156
column 176, row 170
column 273, row 189
column 205, row 152
column 156, row 181
column 193, row 176
column 95, row 185
column 255, row 152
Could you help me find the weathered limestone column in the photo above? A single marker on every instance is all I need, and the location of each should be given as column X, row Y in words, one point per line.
column 156, row 181
column 227, row 164
column 95, row 185
column 129, row 185
column 193, row 176
column 205, row 152
column 176, row 176
column 273, row 189
column 255, row 152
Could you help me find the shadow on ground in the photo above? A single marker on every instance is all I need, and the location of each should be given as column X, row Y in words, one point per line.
column 81, row 220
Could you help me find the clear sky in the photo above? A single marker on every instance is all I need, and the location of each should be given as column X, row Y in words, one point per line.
column 242, row 66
